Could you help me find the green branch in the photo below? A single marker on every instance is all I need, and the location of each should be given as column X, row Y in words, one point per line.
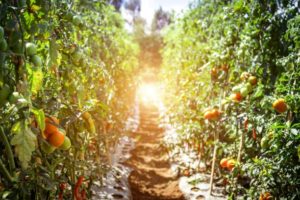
column 5, row 172
column 8, row 149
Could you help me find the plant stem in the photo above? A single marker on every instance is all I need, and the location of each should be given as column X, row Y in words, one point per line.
column 5, row 172
column 9, row 152
column 241, row 146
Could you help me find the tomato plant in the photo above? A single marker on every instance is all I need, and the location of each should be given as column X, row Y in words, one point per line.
column 66, row 60
column 242, row 56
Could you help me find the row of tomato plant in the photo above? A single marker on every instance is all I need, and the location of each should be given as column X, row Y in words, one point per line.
column 65, row 92
column 232, row 75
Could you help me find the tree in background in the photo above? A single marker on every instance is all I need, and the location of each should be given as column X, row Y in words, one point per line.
column 151, row 43
column 134, row 6
column 117, row 4
column 160, row 20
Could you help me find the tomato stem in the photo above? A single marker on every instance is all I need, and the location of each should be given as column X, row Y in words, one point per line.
column 5, row 172
column 9, row 152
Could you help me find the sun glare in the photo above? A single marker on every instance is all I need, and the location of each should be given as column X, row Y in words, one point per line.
column 149, row 93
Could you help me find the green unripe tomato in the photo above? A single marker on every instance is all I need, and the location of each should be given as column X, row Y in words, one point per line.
column 47, row 148
column 249, row 87
column 77, row 21
column 236, row 88
column 244, row 91
column 264, row 143
column 36, row 60
column 66, row 145
column 30, row 49
column 3, row 45
column 1, row 32
column 4, row 93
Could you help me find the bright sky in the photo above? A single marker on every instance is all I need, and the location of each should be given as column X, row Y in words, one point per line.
column 150, row 6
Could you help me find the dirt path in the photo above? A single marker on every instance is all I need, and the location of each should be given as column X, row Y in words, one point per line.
column 152, row 178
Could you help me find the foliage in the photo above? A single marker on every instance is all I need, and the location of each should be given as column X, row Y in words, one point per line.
column 206, row 52
column 62, row 59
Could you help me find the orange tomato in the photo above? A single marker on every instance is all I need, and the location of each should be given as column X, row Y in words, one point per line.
column 279, row 105
column 214, row 73
column 237, row 97
column 56, row 139
column 223, row 162
column 265, row 196
column 231, row 164
column 215, row 113
column 208, row 115
column 212, row 114
column 51, row 126
column 225, row 68
column 252, row 80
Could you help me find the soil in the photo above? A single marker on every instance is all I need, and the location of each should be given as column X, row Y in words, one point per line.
column 152, row 177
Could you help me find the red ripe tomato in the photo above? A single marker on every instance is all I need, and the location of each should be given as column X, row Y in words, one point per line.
column 237, row 97
column 63, row 186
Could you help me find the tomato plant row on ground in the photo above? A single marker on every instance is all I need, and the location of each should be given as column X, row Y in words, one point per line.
column 65, row 86
column 232, row 75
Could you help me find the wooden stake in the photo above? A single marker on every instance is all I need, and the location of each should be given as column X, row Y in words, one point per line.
column 216, row 140
column 213, row 164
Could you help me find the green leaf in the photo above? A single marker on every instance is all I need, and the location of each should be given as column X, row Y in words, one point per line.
column 36, row 81
column 16, row 128
column 25, row 143
column 40, row 118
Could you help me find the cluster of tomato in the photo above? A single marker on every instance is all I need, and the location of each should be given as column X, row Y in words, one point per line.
column 228, row 163
column 55, row 137
column 239, row 93
column 31, row 51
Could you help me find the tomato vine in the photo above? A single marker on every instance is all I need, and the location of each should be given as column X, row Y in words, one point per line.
column 71, row 61
column 250, row 51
